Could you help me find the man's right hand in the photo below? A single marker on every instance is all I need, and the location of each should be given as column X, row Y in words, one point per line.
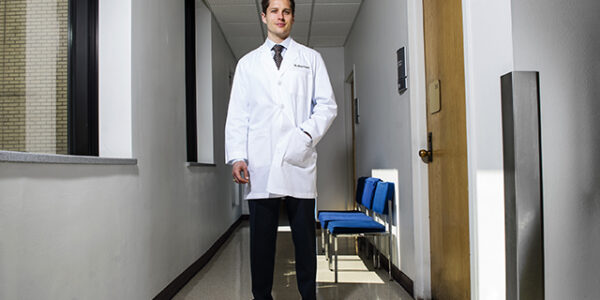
column 240, row 167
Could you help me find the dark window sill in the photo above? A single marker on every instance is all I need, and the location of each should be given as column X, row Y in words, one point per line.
column 41, row 158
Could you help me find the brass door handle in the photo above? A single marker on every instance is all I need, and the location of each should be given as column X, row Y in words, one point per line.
column 427, row 155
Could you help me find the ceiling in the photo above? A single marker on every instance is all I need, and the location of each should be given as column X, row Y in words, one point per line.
column 318, row 23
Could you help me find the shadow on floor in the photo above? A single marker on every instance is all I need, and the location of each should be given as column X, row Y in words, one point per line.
column 227, row 275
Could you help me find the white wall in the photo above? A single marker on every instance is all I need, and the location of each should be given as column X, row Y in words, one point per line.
column 561, row 40
column 333, row 183
column 223, row 66
column 488, row 55
column 384, row 136
column 119, row 232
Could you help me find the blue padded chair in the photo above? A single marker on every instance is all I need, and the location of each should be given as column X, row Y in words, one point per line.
column 382, row 205
column 364, row 195
column 327, row 215
column 365, row 189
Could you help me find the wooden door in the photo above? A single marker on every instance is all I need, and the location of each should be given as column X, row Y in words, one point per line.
column 448, row 184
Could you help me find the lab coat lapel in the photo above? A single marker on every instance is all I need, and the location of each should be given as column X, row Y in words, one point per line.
column 275, row 76
column 267, row 61
column 289, row 58
column 288, row 61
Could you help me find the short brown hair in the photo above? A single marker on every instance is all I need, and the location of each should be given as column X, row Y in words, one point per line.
column 265, row 5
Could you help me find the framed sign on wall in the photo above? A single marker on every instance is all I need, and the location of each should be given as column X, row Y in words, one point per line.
column 401, row 61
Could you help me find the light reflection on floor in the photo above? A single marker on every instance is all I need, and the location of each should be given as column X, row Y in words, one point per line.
column 351, row 269
column 227, row 275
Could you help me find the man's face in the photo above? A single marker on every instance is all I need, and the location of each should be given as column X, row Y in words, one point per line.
column 279, row 20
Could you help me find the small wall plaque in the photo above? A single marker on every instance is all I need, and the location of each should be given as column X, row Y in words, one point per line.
column 433, row 97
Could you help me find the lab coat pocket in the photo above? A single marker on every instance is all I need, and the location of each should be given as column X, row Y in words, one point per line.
column 299, row 151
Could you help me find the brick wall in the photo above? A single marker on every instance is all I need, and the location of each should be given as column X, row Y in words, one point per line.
column 33, row 75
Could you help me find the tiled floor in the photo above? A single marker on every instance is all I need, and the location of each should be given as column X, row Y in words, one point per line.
column 227, row 275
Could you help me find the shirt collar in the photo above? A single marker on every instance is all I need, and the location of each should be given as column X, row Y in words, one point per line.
column 285, row 43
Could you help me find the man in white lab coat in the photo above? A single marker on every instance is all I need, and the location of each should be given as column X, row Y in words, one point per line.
column 281, row 105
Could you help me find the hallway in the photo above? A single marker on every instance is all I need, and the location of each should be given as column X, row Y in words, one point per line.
column 227, row 275
column 114, row 183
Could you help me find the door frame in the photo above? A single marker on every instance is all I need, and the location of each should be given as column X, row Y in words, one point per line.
column 418, row 119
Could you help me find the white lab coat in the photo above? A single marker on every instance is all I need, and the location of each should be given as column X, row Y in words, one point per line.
column 268, row 111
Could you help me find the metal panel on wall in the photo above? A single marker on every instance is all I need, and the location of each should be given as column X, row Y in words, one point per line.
column 522, row 186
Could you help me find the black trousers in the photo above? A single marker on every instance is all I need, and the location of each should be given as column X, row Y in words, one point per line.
column 264, row 219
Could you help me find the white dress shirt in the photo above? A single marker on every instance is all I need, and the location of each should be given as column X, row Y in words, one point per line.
column 285, row 44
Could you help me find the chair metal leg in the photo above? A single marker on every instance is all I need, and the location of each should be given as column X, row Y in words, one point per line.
column 329, row 251
column 379, row 254
column 390, row 256
column 374, row 255
column 327, row 242
column 389, row 221
column 335, row 247
column 322, row 240
column 377, row 260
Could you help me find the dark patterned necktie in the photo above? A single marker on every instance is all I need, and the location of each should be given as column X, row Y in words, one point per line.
column 278, row 58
